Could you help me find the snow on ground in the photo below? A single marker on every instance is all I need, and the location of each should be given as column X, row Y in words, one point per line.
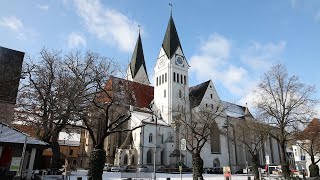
column 149, row 176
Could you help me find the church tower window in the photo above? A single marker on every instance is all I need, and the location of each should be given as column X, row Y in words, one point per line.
column 174, row 77
column 157, row 82
column 162, row 78
column 165, row 77
column 164, row 93
column 180, row 94
column 181, row 79
column 177, row 77
column 150, row 138
column 185, row 79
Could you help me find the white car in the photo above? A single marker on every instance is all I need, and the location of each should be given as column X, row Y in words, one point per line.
column 117, row 169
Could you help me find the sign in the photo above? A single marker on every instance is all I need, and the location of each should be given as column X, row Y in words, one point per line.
column 267, row 160
column 183, row 145
column 15, row 163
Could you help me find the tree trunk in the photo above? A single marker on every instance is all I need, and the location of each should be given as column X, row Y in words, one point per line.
column 55, row 160
column 197, row 166
column 255, row 166
column 284, row 163
column 314, row 170
column 96, row 164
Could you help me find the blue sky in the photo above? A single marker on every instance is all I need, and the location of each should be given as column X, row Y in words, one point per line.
column 231, row 42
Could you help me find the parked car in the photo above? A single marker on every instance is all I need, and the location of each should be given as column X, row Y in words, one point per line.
column 117, row 168
column 214, row 171
column 107, row 167
column 130, row 169
column 142, row 169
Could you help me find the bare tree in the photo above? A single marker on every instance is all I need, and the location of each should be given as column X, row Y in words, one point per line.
column 197, row 130
column 309, row 141
column 252, row 134
column 41, row 99
column 285, row 103
column 98, row 109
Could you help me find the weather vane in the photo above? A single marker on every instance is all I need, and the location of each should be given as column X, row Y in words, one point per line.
column 170, row 8
column 139, row 28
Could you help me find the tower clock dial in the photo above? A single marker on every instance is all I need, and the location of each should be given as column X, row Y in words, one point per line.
column 161, row 63
column 179, row 61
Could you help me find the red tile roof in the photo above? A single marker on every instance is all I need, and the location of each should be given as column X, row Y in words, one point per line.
column 128, row 92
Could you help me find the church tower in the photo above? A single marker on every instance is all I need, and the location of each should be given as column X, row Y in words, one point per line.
column 137, row 70
column 171, row 86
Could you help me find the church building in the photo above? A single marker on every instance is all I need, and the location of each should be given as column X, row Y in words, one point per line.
column 160, row 107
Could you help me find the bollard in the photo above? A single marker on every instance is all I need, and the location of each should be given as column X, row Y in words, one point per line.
column 79, row 178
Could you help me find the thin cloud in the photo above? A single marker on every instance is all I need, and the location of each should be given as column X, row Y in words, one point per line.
column 76, row 40
column 43, row 7
column 14, row 25
column 317, row 16
column 215, row 60
column 260, row 56
column 108, row 25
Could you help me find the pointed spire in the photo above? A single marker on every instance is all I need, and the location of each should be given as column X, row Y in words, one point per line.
column 137, row 59
column 171, row 39
column 246, row 111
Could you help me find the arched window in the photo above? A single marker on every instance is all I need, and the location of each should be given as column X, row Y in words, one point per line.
column 162, row 156
column 215, row 138
column 149, row 157
column 132, row 160
column 216, row 163
column 125, row 160
column 150, row 138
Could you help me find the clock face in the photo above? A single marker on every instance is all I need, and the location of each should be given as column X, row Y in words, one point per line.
column 161, row 63
column 179, row 61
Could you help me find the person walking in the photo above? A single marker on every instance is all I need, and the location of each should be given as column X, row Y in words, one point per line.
column 66, row 170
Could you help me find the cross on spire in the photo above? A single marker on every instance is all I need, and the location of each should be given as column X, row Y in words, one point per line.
column 139, row 28
column 170, row 8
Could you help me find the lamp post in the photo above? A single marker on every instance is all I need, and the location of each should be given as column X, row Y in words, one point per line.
column 155, row 148
column 226, row 126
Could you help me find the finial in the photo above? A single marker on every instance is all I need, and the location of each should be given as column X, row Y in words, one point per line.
column 170, row 8
column 139, row 28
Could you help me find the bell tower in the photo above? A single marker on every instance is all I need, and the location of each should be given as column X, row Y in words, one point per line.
column 171, row 91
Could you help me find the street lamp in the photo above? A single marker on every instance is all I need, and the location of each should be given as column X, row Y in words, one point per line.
column 155, row 147
column 226, row 126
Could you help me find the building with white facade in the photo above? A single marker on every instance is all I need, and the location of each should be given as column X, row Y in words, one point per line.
column 159, row 109
column 307, row 146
